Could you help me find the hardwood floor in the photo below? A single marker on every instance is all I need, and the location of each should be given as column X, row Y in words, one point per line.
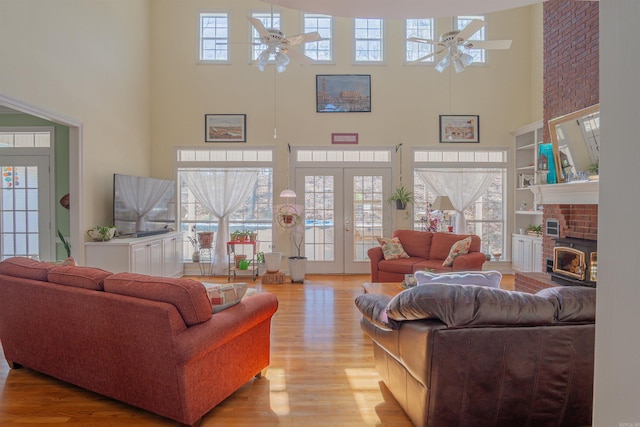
column 321, row 374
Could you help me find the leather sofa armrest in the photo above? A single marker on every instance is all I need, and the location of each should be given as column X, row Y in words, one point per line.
column 375, row 256
column 470, row 261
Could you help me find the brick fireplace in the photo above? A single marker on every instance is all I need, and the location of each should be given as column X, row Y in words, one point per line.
column 577, row 219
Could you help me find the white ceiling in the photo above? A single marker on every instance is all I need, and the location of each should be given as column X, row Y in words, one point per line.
column 401, row 8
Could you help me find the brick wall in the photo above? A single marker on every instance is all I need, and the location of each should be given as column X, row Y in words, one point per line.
column 571, row 62
column 577, row 221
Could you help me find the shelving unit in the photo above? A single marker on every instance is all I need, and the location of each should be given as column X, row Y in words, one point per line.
column 526, row 142
column 231, row 253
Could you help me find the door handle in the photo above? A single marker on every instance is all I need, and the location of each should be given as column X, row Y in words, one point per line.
column 346, row 225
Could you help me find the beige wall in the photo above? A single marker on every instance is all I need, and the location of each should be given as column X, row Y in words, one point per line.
column 406, row 100
column 89, row 61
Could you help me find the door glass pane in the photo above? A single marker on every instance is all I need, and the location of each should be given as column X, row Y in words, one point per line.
column 319, row 207
column 20, row 216
column 367, row 210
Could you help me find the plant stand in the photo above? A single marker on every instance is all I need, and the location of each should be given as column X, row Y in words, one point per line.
column 231, row 253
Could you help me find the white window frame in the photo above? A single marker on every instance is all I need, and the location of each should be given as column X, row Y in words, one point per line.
column 217, row 39
column 479, row 55
column 312, row 49
column 465, row 158
column 368, row 39
column 417, row 27
column 223, row 158
column 254, row 38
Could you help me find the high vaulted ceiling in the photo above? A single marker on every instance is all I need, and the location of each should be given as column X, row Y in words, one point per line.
column 401, row 8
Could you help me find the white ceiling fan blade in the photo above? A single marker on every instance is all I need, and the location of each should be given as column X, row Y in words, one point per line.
column 257, row 24
column 473, row 27
column 425, row 57
column 488, row 44
column 304, row 38
column 295, row 55
column 419, row 40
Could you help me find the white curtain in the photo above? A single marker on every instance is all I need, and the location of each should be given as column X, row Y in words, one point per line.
column 221, row 192
column 142, row 195
column 462, row 186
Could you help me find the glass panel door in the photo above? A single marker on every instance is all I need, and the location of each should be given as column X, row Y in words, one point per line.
column 24, row 207
column 344, row 212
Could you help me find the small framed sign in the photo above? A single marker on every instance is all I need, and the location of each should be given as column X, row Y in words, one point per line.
column 344, row 138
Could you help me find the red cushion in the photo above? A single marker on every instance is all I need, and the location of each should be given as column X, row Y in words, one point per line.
column 79, row 277
column 188, row 296
column 400, row 265
column 26, row 268
column 415, row 243
column 442, row 242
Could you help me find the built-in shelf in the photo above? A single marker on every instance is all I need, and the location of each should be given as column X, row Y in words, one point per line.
column 569, row 193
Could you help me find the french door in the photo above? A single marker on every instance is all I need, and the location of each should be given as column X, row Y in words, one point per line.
column 345, row 210
column 25, row 207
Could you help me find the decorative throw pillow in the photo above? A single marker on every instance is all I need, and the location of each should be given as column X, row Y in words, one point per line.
column 490, row 279
column 392, row 248
column 224, row 296
column 461, row 247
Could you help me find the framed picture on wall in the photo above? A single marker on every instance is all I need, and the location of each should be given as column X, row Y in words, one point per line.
column 343, row 93
column 225, row 128
column 459, row 128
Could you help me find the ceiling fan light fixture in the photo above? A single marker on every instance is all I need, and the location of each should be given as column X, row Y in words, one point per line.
column 444, row 63
column 263, row 59
column 282, row 60
column 467, row 59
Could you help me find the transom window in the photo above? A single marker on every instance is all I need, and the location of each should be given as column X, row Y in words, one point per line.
column 323, row 24
column 269, row 20
column 214, row 37
column 24, row 139
column 479, row 55
column 423, row 29
column 369, row 40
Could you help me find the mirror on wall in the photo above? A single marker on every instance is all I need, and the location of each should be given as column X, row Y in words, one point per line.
column 576, row 144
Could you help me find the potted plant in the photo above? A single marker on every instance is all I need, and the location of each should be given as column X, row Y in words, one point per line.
column 402, row 196
column 195, row 256
column 67, row 248
column 102, row 233
column 534, row 230
column 297, row 264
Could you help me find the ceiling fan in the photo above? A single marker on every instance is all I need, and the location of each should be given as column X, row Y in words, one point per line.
column 278, row 45
column 455, row 44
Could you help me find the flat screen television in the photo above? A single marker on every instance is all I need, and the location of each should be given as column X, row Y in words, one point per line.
column 143, row 206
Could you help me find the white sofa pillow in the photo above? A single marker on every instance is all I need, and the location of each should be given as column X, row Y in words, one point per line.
column 489, row 279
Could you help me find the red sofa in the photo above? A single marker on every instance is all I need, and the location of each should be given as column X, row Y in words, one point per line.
column 151, row 342
column 425, row 250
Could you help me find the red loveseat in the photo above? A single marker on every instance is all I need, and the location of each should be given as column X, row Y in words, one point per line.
column 151, row 342
column 426, row 250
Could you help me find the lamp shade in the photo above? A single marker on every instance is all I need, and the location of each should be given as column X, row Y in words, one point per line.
column 287, row 193
column 442, row 203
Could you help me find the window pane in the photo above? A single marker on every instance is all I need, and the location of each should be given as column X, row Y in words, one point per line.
column 478, row 54
column 368, row 40
column 268, row 22
column 323, row 25
column 423, row 29
column 214, row 37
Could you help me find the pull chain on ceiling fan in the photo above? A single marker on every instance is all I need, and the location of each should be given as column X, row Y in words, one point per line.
column 277, row 45
column 456, row 45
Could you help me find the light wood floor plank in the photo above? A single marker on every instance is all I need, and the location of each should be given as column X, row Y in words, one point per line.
column 321, row 374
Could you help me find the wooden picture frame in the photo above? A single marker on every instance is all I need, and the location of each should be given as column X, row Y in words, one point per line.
column 343, row 93
column 225, row 128
column 459, row 128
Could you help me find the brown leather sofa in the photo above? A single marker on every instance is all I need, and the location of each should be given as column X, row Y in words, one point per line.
column 426, row 250
column 463, row 355
column 151, row 342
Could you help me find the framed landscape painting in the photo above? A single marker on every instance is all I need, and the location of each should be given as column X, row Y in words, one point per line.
column 225, row 127
column 459, row 128
column 343, row 93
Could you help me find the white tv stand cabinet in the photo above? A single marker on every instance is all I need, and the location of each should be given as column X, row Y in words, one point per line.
column 158, row 255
